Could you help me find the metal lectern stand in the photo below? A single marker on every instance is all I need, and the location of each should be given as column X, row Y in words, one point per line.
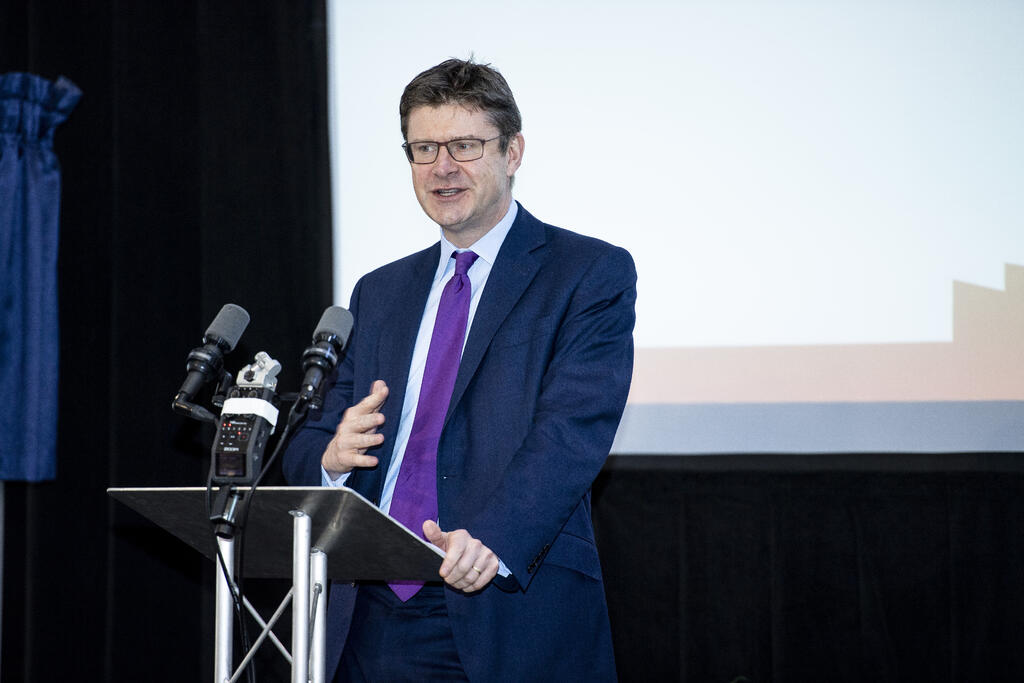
column 334, row 533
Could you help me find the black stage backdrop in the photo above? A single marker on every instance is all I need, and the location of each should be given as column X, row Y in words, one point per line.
column 195, row 173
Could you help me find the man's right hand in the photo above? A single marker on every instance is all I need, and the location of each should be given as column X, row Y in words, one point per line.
column 356, row 433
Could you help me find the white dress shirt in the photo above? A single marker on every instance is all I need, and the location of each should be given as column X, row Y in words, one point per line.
column 486, row 248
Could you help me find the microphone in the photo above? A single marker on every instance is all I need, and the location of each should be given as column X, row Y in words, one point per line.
column 321, row 358
column 206, row 362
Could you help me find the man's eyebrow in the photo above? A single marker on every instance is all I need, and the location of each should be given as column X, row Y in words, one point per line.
column 441, row 142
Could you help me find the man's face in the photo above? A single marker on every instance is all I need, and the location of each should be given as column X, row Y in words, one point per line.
column 466, row 198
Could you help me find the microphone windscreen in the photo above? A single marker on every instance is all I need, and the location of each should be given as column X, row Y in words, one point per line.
column 229, row 325
column 335, row 322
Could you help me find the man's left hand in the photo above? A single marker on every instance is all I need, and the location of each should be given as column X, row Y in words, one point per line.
column 469, row 565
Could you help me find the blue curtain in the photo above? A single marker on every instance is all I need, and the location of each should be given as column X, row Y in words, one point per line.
column 31, row 108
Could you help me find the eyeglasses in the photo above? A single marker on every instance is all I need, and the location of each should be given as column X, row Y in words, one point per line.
column 463, row 149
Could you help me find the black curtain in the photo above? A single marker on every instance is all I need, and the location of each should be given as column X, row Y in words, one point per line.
column 195, row 173
column 857, row 567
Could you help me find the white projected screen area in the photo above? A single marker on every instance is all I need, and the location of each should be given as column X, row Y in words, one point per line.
column 823, row 201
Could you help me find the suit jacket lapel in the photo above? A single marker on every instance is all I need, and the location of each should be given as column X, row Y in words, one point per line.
column 513, row 270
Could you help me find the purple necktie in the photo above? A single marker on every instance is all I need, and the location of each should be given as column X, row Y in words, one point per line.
column 415, row 496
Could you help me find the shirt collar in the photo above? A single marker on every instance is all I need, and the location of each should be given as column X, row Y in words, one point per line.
column 486, row 247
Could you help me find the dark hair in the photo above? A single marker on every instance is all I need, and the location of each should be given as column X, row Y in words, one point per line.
column 472, row 85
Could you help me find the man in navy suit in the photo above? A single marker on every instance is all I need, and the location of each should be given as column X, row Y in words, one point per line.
column 534, row 404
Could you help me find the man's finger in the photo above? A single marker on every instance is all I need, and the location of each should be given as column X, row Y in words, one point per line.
column 378, row 394
column 476, row 562
column 370, row 404
column 483, row 577
column 455, row 546
column 434, row 534
column 368, row 423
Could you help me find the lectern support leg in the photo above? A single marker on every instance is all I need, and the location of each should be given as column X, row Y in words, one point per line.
column 224, row 613
column 301, row 528
column 319, row 597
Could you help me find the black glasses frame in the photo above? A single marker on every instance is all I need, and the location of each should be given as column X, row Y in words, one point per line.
column 446, row 145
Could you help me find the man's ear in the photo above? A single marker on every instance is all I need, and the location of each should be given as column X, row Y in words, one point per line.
column 515, row 153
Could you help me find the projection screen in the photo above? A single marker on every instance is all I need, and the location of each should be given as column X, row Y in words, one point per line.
column 823, row 201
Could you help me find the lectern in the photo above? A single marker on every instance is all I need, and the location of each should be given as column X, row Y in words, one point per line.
column 309, row 534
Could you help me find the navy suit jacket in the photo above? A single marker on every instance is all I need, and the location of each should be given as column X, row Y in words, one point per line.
column 538, row 397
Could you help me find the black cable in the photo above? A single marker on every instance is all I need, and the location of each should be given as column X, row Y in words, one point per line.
column 244, row 514
column 235, row 588
column 247, row 501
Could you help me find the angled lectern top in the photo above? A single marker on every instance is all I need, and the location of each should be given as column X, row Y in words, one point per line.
column 360, row 541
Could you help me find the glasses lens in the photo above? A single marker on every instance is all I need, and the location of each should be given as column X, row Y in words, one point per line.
column 423, row 152
column 466, row 150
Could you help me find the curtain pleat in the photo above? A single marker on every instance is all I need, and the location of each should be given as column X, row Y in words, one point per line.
column 31, row 108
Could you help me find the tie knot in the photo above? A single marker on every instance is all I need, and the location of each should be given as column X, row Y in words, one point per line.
column 463, row 260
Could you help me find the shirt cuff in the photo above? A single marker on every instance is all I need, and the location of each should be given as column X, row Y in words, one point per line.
column 333, row 483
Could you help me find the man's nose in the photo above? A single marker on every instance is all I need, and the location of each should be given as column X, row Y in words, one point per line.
column 445, row 164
